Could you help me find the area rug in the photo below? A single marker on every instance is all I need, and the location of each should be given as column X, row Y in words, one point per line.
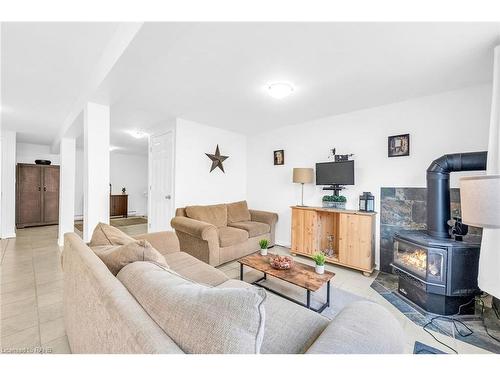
column 386, row 285
column 339, row 298
column 119, row 222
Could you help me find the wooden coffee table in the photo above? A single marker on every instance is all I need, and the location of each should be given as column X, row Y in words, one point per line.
column 300, row 275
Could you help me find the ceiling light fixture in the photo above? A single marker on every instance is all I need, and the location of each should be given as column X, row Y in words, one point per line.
column 280, row 90
column 138, row 134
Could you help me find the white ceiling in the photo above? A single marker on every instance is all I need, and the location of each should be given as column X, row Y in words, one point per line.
column 214, row 73
column 44, row 68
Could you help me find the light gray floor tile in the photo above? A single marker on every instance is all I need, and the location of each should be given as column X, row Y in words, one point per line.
column 27, row 338
column 52, row 330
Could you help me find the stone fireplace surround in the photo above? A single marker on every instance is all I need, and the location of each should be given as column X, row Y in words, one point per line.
column 405, row 208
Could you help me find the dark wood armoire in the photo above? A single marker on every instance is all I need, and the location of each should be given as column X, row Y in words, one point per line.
column 37, row 195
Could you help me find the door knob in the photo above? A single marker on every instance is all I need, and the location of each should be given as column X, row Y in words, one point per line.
column 168, row 197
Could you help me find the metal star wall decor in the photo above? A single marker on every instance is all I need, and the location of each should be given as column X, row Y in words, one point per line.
column 217, row 160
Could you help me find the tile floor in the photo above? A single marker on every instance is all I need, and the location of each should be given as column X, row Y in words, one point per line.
column 31, row 293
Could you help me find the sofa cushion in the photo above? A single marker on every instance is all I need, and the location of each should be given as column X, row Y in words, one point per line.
column 105, row 235
column 290, row 328
column 229, row 236
column 215, row 214
column 237, row 211
column 194, row 269
column 363, row 327
column 254, row 228
column 117, row 257
column 200, row 319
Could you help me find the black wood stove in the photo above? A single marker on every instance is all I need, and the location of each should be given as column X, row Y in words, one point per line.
column 436, row 270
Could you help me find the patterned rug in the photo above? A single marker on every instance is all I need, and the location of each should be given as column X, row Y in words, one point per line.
column 120, row 222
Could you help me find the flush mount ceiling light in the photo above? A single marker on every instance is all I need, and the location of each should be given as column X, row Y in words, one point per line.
column 138, row 134
column 280, row 90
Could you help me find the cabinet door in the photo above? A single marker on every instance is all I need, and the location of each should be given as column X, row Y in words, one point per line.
column 50, row 194
column 29, row 194
column 297, row 230
column 355, row 247
column 310, row 244
column 112, row 205
column 304, row 231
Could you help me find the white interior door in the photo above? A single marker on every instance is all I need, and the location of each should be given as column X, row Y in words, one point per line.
column 161, row 182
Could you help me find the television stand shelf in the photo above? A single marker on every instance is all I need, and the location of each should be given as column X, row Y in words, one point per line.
column 353, row 233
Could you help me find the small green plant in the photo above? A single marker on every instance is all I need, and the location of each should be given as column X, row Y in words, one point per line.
column 334, row 198
column 263, row 243
column 319, row 259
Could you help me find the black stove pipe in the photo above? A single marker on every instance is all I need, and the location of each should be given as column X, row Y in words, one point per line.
column 438, row 187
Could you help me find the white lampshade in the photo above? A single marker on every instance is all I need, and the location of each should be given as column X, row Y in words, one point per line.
column 480, row 201
column 303, row 175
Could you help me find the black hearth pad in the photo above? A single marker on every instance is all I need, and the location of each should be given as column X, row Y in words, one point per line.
column 387, row 284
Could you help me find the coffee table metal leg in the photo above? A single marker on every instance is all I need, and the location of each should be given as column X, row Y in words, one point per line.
column 241, row 271
column 328, row 293
column 308, row 304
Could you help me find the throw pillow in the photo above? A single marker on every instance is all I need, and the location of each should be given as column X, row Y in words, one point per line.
column 200, row 319
column 117, row 257
column 105, row 235
column 238, row 211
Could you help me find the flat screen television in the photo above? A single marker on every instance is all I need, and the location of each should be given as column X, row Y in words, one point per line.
column 335, row 173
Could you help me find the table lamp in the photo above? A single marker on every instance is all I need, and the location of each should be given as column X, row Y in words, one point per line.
column 480, row 204
column 303, row 176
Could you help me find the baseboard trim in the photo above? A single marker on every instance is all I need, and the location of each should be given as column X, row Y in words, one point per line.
column 283, row 244
column 10, row 235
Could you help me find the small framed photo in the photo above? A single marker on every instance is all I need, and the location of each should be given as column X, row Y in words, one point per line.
column 398, row 145
column 279, row 157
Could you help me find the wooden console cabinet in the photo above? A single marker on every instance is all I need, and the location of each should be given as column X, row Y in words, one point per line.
column 118, row 205
column 353, row 231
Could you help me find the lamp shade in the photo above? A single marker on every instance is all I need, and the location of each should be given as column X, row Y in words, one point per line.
column 480, row 201
column 303, row 175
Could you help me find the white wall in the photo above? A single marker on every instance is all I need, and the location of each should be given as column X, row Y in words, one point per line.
column 29, row 152
column 131, row 172
column 8, row 170
column 79, row 183
column 126, row 170
column 450, row 122
column 66, row 188
column 193, row 182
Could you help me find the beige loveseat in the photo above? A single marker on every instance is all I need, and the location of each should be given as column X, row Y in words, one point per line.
column 221, row 233
column 102, row 316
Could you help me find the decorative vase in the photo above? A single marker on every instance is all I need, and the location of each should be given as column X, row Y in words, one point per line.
column 320, row 270
column 263, row 252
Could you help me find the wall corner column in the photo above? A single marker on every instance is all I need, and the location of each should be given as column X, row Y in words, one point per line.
column 67, row 188
column 96, row 125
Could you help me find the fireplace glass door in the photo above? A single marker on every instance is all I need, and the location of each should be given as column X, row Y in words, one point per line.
column 411, row 258
column 426, row 263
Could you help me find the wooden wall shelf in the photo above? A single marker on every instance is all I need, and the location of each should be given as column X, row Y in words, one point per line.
column 353, row 231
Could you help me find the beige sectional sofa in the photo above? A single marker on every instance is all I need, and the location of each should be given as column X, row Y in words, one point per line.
column 221, row 233
column 102, row 316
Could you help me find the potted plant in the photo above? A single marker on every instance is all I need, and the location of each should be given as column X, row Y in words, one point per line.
column 319, row 259
column 334, row 201
column 263, row 243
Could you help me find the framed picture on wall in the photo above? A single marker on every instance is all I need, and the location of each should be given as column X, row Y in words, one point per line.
column 279, row 157
column 398, row 145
